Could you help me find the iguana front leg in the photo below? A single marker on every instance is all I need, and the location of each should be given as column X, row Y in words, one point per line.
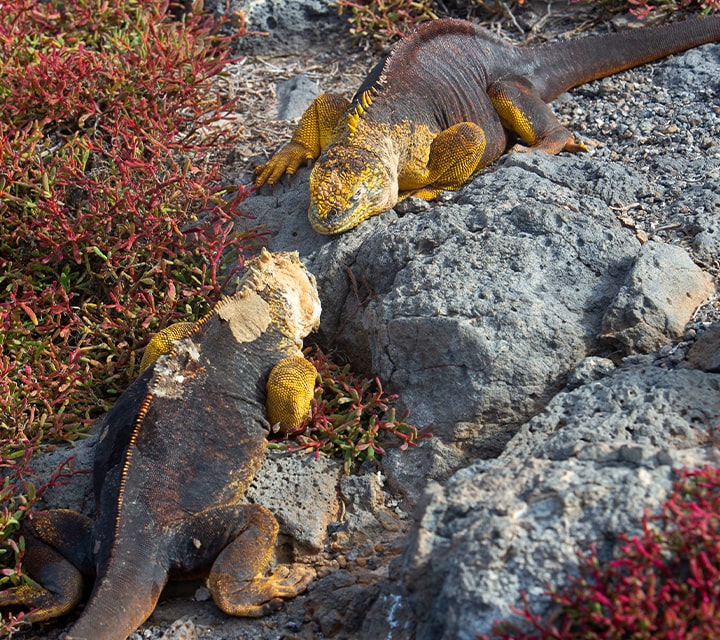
column 455, row 154
column 290, row 390
column 313, row 133
column 163, row 341
column 524, row 112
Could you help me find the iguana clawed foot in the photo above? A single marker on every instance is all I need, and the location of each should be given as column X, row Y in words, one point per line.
column 58, row 586
column 235, row 581
column 557, row 140
column 42, row 604
column 313, row 133
column 261, row 595
column 287, row 160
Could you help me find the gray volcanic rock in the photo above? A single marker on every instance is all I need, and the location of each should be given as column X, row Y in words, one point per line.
column 706, row 225
column 277, row 27
column 659, row 297
column 475, row 309
column 294, row 96
column 705, row 352
column 579, row 473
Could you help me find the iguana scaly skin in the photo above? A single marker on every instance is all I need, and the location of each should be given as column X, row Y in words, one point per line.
column 446, row 102
column 162, row 342
column 290, row 386
column 290, row 389
column 174, row 457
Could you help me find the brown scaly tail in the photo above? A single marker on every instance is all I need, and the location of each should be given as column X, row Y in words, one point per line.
column 121, row 601
column 559, row 66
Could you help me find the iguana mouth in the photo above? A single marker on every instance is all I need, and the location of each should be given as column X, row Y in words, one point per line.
column 335, row 220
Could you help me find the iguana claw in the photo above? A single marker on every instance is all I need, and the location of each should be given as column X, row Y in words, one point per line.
column 287, row 160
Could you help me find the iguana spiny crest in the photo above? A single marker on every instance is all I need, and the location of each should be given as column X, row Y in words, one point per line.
column 174, row 456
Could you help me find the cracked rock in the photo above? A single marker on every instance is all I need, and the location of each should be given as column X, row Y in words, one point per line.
column 579, row 473
column 657, row 300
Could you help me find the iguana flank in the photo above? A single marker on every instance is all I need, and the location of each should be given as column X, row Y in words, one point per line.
column 446, row 102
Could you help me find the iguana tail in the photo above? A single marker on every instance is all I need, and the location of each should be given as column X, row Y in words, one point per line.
column 559, row 66
column 121, row 602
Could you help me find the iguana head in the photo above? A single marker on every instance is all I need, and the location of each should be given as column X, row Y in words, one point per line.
column 289, row 292
column 349, row 184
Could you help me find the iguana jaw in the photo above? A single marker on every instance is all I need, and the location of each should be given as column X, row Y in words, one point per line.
column 350, row 185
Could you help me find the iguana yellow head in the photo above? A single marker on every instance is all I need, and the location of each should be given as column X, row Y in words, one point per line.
column 350, row 184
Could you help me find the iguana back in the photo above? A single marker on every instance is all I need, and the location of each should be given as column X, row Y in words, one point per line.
column 174, row 457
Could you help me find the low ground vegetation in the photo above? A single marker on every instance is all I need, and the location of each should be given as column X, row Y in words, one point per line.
column 383, row 22
column 664, row 585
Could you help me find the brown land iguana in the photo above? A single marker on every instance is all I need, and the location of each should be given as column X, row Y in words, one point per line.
column 174, row 457
column 446, row 102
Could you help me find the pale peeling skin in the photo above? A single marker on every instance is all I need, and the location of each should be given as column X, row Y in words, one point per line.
column 449, row 100
column 291, row 384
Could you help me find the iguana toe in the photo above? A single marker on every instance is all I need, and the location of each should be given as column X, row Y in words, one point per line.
column 557, row 140
column 42, row 604
column 290, row 580
column 287, row 160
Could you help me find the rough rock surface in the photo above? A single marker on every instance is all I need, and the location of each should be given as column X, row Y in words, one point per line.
column 475, row 310
column 484, row 311
column 657, row 300
column 294, row 96
column 279, row 27
column 577, row 474
column 705, row 352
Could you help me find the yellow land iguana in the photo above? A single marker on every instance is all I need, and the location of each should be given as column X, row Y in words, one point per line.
column 446, row 102
column 174, row 457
